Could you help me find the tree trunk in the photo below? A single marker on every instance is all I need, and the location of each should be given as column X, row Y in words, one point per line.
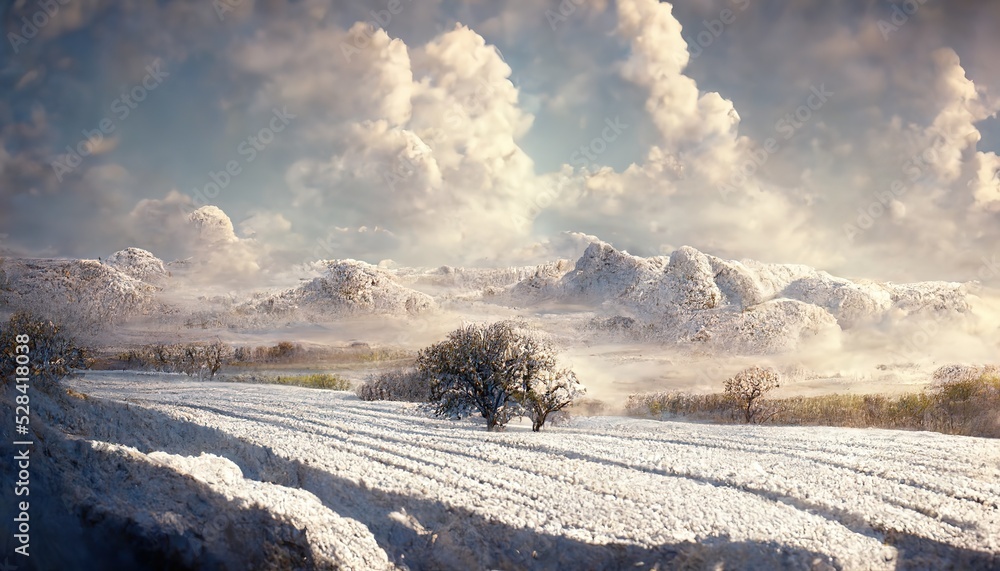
column 538, row 422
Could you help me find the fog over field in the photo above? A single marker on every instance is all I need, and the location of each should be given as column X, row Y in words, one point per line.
column 454, row 284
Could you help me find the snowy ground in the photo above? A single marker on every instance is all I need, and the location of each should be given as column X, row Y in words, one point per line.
column 368, row 485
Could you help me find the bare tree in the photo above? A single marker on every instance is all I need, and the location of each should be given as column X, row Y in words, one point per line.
column 748, row 388
column 216, row 355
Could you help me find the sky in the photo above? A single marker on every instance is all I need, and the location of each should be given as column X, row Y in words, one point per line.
column 857, row 137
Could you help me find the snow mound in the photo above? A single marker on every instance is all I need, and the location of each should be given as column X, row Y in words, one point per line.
column 775, row 326
column 138, row 263
column 354, row 285
column 851, row 303
column 541, row 282
column 349, row 287
column 450, row 278
column 83, row 293
column 329, row 537
column 603, row 272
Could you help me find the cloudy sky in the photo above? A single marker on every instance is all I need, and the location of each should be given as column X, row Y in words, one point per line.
column 858, row 137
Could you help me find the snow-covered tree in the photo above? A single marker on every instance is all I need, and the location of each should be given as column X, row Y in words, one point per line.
column 51, row 353
column 550, row 391
column 485, row 368
column 748, row 387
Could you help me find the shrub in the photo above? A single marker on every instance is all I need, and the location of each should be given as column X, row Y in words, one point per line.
column 968, row 406
column 192, row 359
column 396, row 385
column 714, row 407
column 748, row 388
column 499, row 371
column 52, row 354
column 215, row 355
column 283, row 351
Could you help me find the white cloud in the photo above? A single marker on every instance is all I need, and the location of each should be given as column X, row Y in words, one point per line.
column 436, row 166
column 172, row 229
column 415, row 144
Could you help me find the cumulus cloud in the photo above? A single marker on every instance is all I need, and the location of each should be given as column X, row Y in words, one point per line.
column 427, row 167
column 697, row 184
column 639, row 122
column 204, row 239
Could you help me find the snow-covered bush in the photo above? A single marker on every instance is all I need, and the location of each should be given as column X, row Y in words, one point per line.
column 956, row 373
column 748, row 388
column 51, row 353
column 396, row 385
column 499, row 370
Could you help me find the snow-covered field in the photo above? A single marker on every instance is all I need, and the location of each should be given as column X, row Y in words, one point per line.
column 337, row 481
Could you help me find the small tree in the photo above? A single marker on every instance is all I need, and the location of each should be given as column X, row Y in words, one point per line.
column 550, row 391
column 748, row 388
column 51, row 352
column 217, row 354
column 485, row 368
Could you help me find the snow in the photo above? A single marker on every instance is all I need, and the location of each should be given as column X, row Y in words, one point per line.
column 371, row 480
column 726, row 306
column 690, row 300
column 85, row 293
column 345, row 287
column 138, row 263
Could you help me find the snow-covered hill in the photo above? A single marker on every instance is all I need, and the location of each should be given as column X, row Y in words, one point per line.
column 347, row 287
column 688, row 300
column 82, row 293
column 745, row 307
column 225, row 473
column 140, row 264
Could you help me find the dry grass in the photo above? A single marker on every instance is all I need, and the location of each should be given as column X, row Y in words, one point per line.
column 313, row 381
column 969, row 407
column 716, row 407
